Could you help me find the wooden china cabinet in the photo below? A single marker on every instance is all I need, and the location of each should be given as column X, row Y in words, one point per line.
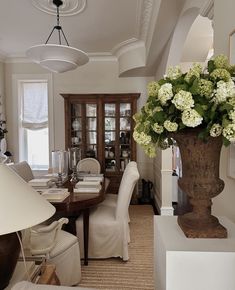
column 101, row 125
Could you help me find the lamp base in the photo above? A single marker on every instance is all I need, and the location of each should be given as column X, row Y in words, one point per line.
column 9, row 253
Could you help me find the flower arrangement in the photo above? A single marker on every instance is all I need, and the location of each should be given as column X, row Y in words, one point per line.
column 203, row 99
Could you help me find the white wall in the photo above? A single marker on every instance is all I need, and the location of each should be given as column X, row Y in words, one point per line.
column 95, row 77
column 224, row 23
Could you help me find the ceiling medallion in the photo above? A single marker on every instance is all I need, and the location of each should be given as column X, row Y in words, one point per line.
column 68, row 8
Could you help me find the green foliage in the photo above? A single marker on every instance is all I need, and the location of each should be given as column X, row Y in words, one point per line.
column 196, row 99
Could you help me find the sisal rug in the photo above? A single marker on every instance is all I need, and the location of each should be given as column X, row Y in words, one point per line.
column 137, row 273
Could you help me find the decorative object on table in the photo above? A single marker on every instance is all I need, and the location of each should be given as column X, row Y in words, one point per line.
column 57, row 57
column 22, row 208
column 60, row 165
column 74, row 157
column 197, row 109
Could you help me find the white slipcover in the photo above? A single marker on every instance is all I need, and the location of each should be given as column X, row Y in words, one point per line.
column 60, row 248
column 23, row 170
column 89, row 164
column 108, row 226
column 110, row 198
column 24, row 285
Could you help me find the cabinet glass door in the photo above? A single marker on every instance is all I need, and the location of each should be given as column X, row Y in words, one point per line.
column 124, row 135
column 91, row 130
column 76, row 125
column 110, row 137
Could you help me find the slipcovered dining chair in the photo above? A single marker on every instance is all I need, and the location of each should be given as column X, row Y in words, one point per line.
column 90, row 165
column 110, row 198
column 108, row 226
column 23, row 170
column 58, row 247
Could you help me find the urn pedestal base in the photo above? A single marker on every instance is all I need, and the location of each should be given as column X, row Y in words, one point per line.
column 194, row 228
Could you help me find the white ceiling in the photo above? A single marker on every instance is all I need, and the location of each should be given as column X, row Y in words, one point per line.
column 101, row 29
column 101, row 26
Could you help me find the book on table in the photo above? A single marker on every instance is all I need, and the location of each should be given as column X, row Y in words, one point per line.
column 88, row 186
column 41, row 182
column 55, row 194
column 93, row 178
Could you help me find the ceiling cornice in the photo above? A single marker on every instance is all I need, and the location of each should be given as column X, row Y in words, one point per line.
column 123, row 46
column 208, row 9
column 145, row 17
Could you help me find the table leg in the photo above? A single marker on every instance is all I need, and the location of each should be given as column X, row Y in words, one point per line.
column 71, row 226
column 86, row 214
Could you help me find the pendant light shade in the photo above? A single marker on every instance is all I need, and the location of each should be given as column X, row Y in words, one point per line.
column 57, row 57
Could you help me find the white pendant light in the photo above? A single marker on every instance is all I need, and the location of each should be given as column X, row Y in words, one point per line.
column 57, row 57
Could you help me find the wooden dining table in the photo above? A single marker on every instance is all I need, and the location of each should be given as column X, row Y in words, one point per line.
column 80, row 203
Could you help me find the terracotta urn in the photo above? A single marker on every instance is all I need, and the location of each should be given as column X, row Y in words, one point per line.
column 200, row 181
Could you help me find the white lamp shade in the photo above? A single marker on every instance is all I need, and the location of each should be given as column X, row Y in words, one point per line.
column 21, row 206
column 57, row 58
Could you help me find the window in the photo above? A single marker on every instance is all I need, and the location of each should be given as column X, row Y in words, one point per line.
column 33, row 123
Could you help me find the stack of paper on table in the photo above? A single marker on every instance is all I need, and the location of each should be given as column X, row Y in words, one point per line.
column 88, row 186
column 55, row 194
column 93, row 178
column 41, row 183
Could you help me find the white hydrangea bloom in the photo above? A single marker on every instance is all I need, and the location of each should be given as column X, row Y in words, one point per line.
column 231, row 115
column 141, row 138
column 153, row 88
column 157, row 109
column 148, row 109
column 183, row 100
column 216, row 130
column 165, row 93
column 170, row 126
column 191, row 118
column 224, row 91
column 229, row 132
column 157, row 128
column 150, row 150
column 231, row 101
column 174, row 72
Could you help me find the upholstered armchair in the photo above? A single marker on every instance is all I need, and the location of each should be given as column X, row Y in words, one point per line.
column 23, row 170
column 89, row 164
column 108, row 225
column 59, row 247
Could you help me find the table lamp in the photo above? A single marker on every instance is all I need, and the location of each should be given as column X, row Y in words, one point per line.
column 21, row 207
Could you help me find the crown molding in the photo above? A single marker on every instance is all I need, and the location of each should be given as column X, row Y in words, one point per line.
column 208, row 10
column 145, row 17
column 123, row 46
column 17, row 59
column 103, row 56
